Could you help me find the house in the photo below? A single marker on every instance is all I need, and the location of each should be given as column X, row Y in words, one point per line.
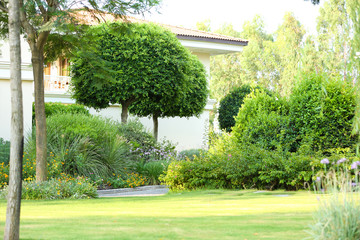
column 186, row 132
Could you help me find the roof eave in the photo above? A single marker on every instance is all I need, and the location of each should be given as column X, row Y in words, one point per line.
column 213, row 40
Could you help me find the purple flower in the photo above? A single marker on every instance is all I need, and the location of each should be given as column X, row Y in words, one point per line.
column 341, row 161
column 229, row 155
column 318, row 179
column 325, row 161
column 355, row 164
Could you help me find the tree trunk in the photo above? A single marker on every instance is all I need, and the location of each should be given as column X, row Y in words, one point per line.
column 124, row 111
column 12, row 224
column 156, row 126
column 40, row 118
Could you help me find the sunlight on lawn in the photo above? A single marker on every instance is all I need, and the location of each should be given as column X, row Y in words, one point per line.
column 214, row 214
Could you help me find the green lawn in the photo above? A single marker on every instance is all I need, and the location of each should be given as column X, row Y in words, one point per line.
column 212, row 214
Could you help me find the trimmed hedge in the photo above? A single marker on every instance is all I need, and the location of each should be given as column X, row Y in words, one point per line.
column 56, row 108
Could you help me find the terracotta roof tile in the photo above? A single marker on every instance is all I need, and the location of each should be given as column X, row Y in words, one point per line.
column 92, row 18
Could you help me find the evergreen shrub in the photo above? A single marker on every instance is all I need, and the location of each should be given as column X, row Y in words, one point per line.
column 322, row 109
column 230, row 105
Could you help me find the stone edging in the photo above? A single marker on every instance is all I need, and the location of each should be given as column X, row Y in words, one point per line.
column 124, row 190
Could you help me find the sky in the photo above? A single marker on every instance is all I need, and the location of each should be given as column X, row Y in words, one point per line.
column 187, row 13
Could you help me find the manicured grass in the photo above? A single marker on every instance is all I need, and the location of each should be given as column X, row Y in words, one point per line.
column 211, row 214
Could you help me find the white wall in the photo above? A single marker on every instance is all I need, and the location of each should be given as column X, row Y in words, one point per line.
column 5, row 106
column 27, row 87
column 186, row 133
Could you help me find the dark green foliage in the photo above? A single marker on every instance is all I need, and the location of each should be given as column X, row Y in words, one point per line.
column 242, row 167
column 92, row 146
column 263, row 121
column 85, row 144
column 322, row 110
column 4, row 151
column 276, row 142
column 268, row 131
column 230, row 105
column 192, row 100
column 134, row 62
column 57, row 108
column 319, row 113
column 136, row 134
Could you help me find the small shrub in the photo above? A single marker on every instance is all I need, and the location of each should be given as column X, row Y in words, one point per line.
column 136, row 134
column 60, row 188
column 122, row 180
column 153, row 170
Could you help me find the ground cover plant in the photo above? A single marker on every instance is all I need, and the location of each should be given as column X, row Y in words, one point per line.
column 210, row 214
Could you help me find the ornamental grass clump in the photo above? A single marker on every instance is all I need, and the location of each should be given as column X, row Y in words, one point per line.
column 338, row 215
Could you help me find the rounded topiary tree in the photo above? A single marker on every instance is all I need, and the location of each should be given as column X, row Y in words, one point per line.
column 130, row 63
column 191, row 103
column 229, row 106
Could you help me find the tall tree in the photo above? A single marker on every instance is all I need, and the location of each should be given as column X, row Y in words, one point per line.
column 40, row 18
column 289, row 37
column 12, row 224
column 337, row 28
column 254, row 65
column 310, row 57
column 204, row 25
column 259, row 59
column 225, row 69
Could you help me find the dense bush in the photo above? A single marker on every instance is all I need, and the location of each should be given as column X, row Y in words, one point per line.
column 230, row 105
column 4, row 151
column 57, row 108
column 276, row 142
column 322, row 110
column 229, row 165
column 263, row 121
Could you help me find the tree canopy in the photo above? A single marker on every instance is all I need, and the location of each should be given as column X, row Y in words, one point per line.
column 138, row 65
